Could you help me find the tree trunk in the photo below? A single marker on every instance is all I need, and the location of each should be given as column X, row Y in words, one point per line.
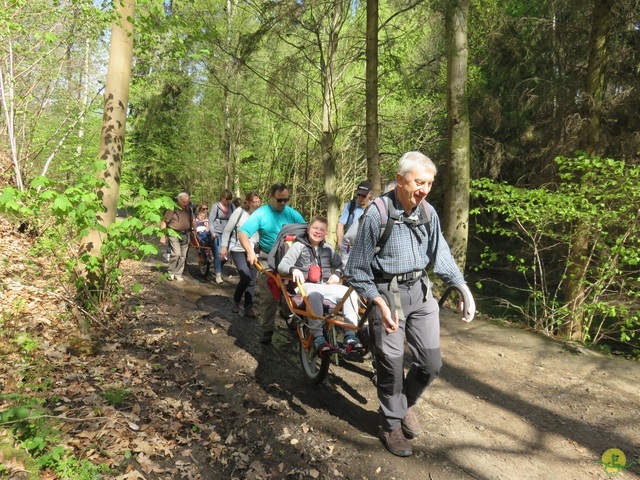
column 371, row 98
column 116, row 99
column 592, row 105
column 329, row 117
column 457, row 181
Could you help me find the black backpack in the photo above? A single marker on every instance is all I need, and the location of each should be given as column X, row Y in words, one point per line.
column 352, row 209
column 285, row 238
column 389, row 212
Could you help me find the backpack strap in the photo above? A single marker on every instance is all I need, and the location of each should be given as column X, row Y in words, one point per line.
column 352, row 209
column 388, row 212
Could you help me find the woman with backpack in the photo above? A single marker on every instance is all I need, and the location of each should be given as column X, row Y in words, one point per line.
column 218, row 217
column 248, row 273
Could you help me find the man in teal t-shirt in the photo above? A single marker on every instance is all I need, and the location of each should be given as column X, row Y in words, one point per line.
column 267, row 221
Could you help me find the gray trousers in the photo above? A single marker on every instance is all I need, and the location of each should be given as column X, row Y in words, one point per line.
column 421, row 328
column 179, row 249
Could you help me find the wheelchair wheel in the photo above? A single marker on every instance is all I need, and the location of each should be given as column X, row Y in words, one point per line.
column 314, row 367
column 204, row 266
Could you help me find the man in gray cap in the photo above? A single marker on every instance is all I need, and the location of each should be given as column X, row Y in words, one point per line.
column 353, row 209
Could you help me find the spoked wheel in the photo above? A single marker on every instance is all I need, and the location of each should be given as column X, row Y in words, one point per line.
column 314, row 366
column 204, row 266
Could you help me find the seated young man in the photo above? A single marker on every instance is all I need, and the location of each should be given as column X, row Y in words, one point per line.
column 315, row 264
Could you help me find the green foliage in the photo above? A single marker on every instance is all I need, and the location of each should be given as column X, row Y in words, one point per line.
column 63, row 218
column 35, row 435
column 604, row 195
column 116, row 396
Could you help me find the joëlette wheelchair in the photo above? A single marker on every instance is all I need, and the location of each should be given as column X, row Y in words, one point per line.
column 297, row 312
column 204, row 254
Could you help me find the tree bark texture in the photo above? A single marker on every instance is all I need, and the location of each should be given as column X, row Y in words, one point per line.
column 371, row 98
column 116, row 99
column 457, row 181
column 592, row 99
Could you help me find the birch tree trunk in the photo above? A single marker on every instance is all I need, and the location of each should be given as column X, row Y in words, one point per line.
column 457, row 181
column 116, row 99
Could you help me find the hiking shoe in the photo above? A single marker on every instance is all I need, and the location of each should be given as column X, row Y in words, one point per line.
column 410, row 425
column 266, row 337
column 219, row 279
column 235, row 308
column 248, row 312
column 395, row 442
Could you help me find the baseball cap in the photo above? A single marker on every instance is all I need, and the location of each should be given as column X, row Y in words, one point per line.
column 364, row 188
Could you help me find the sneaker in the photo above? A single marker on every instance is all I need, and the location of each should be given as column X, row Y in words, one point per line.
column 219, row 280
column 171, row 277
column 248, row 312
column 322, row 346
column 352, row 343
column 410, row 425
column 395, row 442
column 266, row 337
column 179, row 278
column 235, row 308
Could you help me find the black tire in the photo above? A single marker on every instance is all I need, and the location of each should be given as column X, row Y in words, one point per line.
column 314, row 366
column 204, row 266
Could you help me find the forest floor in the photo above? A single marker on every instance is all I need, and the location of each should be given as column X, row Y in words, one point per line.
column 206, row 400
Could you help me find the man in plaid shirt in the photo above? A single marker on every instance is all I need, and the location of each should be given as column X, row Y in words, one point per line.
column 395, row 280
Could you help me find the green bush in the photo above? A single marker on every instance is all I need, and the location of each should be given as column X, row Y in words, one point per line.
column 604, row 196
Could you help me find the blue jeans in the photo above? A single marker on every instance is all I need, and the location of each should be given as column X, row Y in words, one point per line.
column 248, row 280
column 218, row 262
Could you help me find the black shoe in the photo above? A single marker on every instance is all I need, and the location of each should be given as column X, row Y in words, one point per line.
column 266, row 337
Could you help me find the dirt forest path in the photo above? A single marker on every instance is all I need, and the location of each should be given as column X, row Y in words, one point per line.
column 509, row 404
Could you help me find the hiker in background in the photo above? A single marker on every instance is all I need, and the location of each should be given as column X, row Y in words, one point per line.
column 317, row 266
column 230, row 245
column 399, row 237
column 179, row 219
column 203, row 232
column 267, row 221
column 218, row 217
column 350, row 234
column 353, row 209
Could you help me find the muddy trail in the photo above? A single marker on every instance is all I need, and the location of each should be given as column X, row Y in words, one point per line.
column 509, row 404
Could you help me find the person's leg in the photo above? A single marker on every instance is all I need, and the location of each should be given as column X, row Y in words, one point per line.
column 269, row 308
column 423, row 337
column 244, row 272
column 389, row 354
column 174, row 259
column 203, row 241
column 182, row 253
column 217, row 263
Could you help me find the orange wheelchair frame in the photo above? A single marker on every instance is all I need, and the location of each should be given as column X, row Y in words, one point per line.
column 314, row 366
column 204, row 264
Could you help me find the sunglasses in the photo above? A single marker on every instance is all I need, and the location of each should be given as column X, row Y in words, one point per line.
column 282, row 200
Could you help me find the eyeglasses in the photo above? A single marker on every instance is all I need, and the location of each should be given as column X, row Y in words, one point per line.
column 282, row 200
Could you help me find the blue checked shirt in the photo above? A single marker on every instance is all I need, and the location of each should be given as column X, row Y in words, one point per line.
column 405, row 251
